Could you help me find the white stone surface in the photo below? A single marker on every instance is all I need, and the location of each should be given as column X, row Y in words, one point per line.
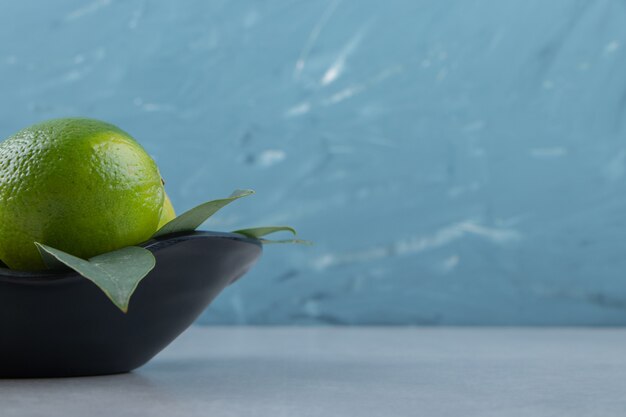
column 299, row 372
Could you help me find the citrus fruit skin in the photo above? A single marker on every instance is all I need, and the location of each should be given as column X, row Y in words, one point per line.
column 167, row 213
column 80, row 185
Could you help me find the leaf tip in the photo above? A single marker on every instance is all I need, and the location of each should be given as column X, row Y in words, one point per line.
column 241, row 193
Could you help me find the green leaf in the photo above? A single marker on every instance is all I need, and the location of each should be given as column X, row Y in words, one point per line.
column 190, row 220
column 49, row 259
column 259, row 232
column 282, row 241
column 116, row 273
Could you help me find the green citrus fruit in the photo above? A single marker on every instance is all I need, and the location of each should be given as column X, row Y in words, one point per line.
column 167, row 213
column 79, row 185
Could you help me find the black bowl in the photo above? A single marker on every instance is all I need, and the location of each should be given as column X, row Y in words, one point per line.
column 60, row 324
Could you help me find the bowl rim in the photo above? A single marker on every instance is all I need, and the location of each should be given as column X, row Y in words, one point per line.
column 154, row 244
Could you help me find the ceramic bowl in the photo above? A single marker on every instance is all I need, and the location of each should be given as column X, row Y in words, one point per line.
column 59, row 324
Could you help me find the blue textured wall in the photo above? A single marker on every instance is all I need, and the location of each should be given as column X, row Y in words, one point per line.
column 454, row 161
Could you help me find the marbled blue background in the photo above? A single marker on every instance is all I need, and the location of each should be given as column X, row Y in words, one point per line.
column 456, row 162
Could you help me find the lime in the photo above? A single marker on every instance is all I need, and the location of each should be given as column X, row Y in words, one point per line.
column 80, row 185
column 167, row 213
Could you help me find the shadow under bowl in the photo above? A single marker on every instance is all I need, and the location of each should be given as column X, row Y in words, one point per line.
column 59, row 324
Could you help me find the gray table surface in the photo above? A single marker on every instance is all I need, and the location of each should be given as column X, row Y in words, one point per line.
column 268, row 371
